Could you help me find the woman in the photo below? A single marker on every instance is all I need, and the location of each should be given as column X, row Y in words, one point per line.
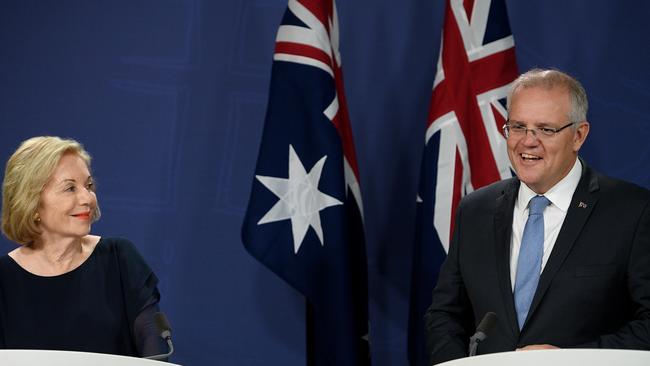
column 63, row 288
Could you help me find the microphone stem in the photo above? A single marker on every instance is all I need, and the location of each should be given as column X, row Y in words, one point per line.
column 163, row 356
column 473, row 347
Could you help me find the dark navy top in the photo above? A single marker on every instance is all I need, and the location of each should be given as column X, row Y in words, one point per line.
column 92, row 308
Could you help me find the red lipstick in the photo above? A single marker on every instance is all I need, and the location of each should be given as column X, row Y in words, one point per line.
column 83, row 216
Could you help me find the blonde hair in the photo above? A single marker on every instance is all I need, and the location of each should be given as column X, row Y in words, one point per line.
column 26, row 173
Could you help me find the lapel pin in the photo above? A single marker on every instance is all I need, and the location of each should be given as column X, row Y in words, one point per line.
column 582, row 205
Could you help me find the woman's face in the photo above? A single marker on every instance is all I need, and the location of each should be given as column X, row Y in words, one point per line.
column 68, row 200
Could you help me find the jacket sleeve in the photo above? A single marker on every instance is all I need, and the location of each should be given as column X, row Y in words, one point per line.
column 449, row 318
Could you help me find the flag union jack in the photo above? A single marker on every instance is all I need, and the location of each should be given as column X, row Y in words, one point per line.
column 464, row 147
column 304, row 218
column 475, row 68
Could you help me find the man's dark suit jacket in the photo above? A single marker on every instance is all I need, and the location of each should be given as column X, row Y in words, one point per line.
column 594, row 291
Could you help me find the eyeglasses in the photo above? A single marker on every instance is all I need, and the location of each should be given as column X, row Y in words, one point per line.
column 516, row 129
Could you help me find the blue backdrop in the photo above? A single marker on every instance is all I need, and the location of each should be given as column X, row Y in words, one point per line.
column 169, row 97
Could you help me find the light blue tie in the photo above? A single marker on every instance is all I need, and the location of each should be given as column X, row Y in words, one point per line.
column 529, row 263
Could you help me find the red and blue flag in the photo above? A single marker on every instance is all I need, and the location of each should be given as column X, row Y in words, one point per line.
column 464, row 148
column 304, row 218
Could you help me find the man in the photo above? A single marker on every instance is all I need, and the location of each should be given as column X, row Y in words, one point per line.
column 561, row 253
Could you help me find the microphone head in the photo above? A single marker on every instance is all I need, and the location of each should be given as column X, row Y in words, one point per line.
column 162, row 324
column 487, row 323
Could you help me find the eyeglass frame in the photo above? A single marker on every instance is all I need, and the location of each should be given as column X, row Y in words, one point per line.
column 550, row 131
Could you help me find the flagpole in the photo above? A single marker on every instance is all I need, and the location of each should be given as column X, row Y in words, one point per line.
column 309, row 334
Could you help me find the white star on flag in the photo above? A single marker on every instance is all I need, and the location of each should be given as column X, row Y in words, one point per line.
column 299, row 199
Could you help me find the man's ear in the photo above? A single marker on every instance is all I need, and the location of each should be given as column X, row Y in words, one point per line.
column 580, row 135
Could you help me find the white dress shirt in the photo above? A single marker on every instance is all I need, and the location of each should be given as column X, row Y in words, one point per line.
column 560, row 196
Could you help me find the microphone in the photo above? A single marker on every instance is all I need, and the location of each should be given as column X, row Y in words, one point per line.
column 486, row 324
column 165, row 333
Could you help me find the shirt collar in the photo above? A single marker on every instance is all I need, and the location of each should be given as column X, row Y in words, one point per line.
column 559, row 195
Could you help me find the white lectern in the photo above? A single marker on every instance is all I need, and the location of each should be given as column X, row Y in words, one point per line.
column 28, row 357
column 559, row 357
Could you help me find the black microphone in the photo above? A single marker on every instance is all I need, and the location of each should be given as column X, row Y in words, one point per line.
column 486, row 324
column 165, row 333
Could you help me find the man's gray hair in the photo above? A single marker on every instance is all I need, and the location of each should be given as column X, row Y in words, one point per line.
column 549, row 79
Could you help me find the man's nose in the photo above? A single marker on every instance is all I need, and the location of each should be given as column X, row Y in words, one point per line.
column 530, row 138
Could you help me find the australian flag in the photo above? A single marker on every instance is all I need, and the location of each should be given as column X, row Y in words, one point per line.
column 304, row 218
column 464, row 148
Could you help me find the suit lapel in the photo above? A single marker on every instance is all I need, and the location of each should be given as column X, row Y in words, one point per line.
column 582, row 203
column 503, row 231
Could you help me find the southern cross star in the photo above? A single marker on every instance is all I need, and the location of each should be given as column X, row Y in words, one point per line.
column 299, row 199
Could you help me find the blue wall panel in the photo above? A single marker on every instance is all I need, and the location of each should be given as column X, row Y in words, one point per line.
column 169, row 96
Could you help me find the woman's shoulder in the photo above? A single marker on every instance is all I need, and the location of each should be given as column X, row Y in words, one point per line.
column 115, row 244
column 6, row 261
column 122, row 249
column 134, row 269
